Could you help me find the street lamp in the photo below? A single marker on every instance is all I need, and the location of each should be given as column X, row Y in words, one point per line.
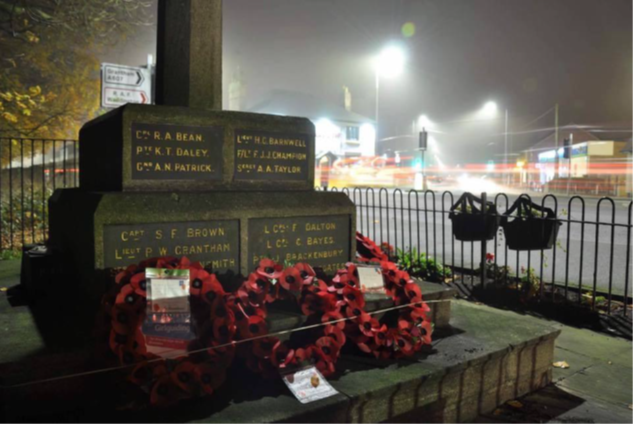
column 489, row 111
column 389, row 63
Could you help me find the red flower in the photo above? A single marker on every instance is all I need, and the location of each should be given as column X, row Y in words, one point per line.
column 166, row 262
column 220, row 309
column 211, row 289
column 221, row 353
column 418, row 313
column 142, row 374
column 282, row 356
column 224, row 329
column 325, row 367
column 126, row 321
column 368, row 250
column 269, row 269
column 353, row 297
column 291, row 279
column 336, row 333
column 251, row 295
column 304, row 354
column 367, row 324
column 413, row 293
column 490, row 257
column 389, row 269
column 124, row 276
column 263, row 348
column 402, row 344
column 339, row 282
column 262, row 283
column 129, row 300
column 197, row 278
column 210, row 376
column 139, row 284
column 256, row 326
column 402, row 278
column 165, row 392
column 184, row 377
column 353, row 311
column 331, row 316
column 129, row 347
column 352, row 274
column 423, row 330
column 381, row 336
column 306, row 272
column 317, row 302
column 327, row 349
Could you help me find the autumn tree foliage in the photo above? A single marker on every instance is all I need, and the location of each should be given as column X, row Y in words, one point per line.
column 49, row 66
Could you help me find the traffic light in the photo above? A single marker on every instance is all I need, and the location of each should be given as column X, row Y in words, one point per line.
column 566, row 148
column 423, row 137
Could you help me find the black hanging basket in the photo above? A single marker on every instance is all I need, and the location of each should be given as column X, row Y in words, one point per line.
column 469, row 224
column 527, row 230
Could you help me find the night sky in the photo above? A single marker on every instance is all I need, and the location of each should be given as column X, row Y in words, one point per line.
column 524, row 54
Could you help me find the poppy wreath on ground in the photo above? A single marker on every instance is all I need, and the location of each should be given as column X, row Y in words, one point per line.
column 223, row 321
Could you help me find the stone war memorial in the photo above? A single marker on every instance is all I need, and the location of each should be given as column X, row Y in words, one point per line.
column 235, row 192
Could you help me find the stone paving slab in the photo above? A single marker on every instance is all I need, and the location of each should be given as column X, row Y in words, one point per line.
column 607, row 383
column 595, row 345
column 594, row 410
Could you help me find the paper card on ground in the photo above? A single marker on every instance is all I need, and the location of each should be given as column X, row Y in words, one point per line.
column 167, row 326
column 370, row 277
column 308, row 385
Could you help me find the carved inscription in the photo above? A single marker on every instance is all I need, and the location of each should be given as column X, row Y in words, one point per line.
column 176, row 152
column 214, row 243
column 322, row 241
column 271, row 156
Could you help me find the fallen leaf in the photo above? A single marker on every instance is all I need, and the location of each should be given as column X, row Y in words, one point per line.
column 561, row 364
column 497, row 412
column 515, row 404
column 610, row 363
column 3, row 289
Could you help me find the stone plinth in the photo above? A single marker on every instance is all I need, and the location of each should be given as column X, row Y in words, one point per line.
column 165, row 148
column 489, row 358
column 223, row 230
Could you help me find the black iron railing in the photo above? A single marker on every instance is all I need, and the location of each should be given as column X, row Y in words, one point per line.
column 591, row 259
column 590, row 262
column 31, row 170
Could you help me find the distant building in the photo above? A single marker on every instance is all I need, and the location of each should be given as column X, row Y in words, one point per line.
column 339, row 131
column 595, row 164
column 628, row 151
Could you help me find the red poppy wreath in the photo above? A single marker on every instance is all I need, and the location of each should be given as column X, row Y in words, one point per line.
column 230, row 325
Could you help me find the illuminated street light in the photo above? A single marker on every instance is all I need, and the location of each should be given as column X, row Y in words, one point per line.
column 425, row 122
column 389, row 63
column 489, row 111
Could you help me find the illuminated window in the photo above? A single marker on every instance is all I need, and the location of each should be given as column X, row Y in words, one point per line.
column 352, row 133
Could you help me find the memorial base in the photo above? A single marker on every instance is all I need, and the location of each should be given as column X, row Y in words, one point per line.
column 484, row 358
column 226, row 231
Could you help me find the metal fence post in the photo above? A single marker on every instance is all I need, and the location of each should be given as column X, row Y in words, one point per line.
column 483, row 240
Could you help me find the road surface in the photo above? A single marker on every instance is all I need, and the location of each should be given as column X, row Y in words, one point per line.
column 573, row 260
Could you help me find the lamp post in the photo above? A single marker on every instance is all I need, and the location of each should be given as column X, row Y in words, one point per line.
column 490, row 110
column 389, row 63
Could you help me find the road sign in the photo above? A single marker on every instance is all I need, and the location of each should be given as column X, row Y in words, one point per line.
column 125, row 84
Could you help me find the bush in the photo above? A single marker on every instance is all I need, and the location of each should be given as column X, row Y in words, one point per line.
column 26, row 224
column 421, row 266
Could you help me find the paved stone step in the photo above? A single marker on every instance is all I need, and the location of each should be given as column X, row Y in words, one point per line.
column 487, row 359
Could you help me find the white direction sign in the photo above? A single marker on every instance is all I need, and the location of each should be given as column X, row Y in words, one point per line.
column 125, row 84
